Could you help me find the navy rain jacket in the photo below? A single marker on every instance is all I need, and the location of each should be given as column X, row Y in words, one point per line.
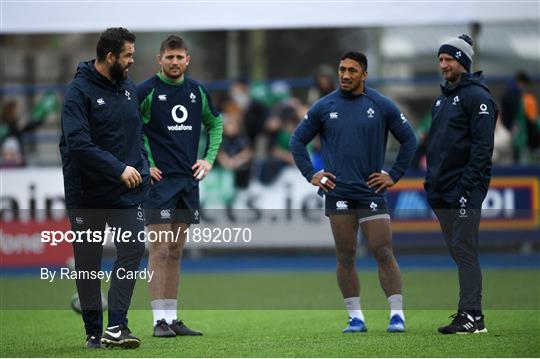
column 460, row 142
column 101, row 135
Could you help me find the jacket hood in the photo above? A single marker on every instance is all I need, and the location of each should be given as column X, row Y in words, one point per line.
column 467, row 79
column 87, row 71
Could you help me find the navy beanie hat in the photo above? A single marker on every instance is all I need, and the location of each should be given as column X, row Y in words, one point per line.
column 461, row 49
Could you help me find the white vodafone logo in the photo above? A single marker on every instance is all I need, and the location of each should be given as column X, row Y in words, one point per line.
column 483, row 109
column 174, row 114
column 179, row 120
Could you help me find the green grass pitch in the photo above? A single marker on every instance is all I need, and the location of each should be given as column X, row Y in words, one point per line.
column 289, row 314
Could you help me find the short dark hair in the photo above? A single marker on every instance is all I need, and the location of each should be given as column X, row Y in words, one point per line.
column 112, row 40
column 173, row 42
column 356, row 56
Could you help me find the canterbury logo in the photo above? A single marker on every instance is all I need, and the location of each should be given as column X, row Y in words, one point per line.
column 342, row 205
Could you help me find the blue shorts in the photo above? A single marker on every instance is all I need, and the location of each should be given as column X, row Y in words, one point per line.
column 173, row 199
column 364, row 210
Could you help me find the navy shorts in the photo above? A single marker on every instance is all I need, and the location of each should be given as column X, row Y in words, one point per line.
column 173, row 199
column 364, row 210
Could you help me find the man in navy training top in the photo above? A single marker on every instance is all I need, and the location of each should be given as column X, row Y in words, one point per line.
column 353, row 124
column 460, row 146
column 173, row 109
column 105, row 177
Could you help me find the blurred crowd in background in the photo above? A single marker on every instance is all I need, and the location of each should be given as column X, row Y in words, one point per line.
column 260, row 117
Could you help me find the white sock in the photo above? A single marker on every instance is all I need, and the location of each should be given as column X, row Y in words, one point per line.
column 158, row 309
column 170, row 310
column 396, row 305
column 353, row 307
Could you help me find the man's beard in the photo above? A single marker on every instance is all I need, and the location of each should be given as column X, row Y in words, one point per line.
column 454, row 77
column 174, row 77
column 117, row 72
column 352, row 89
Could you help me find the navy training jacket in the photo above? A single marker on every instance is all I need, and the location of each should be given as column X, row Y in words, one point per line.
column 460, row 142
column 354, row 132
column 101, row 135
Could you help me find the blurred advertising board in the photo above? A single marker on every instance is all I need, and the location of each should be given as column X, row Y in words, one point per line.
column 285, row 213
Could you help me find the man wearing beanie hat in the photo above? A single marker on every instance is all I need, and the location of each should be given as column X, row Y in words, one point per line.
column 460, row 48
column 460, row 145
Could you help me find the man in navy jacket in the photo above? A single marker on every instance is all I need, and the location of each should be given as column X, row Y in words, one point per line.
column 105, row 176
column 353, row 123
column 460, row 145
